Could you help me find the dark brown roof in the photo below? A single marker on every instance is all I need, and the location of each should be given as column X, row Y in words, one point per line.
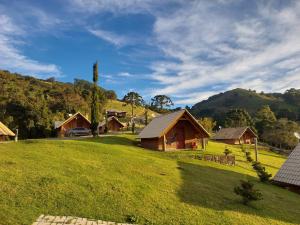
column 158, row 125
column 110, row 119
column 231, row 133
column 289, row 172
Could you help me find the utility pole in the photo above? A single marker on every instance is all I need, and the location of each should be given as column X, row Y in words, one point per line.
column 255, row 149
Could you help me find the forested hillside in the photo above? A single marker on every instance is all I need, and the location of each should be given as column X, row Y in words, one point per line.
column 286, row 105
column 32, row 105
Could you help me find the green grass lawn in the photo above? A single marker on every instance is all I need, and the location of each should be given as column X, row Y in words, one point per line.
column 110, row 178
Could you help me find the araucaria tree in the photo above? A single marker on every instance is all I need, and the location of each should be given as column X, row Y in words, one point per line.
column 161, row 101
column 94, row 102
column 133, row 99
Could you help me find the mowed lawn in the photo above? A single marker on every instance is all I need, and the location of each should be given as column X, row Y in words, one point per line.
column 110, row 178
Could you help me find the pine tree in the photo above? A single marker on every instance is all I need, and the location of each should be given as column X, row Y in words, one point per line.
column 94, row 102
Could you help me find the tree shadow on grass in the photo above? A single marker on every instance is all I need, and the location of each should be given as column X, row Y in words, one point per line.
column 212, row 188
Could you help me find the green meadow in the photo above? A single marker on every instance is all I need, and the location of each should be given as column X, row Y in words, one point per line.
column 111, row 178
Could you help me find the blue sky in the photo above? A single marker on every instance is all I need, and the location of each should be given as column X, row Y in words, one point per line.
column 188, row 50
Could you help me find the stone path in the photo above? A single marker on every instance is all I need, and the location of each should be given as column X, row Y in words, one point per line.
column 71, row 220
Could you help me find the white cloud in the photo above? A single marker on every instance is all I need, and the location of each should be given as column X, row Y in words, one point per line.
column 11, row 58
column 211, row 47
column 111, row 37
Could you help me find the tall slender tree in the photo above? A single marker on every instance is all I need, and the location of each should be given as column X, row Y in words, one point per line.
column 94, row 102
column 161, row 101
column 133, row 99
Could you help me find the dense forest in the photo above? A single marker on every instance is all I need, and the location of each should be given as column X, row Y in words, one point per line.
column 32, row 105
column 274, row 117
column 286, row 105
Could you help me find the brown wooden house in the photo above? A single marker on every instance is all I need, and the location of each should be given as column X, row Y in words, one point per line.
column 116, row 113
column 75, row 121
column 177, row 130
column 113, row 125
column 235, row 135
column 5, row 132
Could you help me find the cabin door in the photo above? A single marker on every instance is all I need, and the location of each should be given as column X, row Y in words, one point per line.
column 180, row 137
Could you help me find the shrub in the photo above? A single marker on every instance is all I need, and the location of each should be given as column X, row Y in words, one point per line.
column 132, row 219
column 243, row 148
column 248, row 156
column 261, row 172
column 227, row 151
column 247, row 192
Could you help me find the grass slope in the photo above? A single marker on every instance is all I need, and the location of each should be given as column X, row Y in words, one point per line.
column 110, row 178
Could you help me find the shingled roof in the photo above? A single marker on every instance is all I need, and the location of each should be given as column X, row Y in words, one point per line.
column 110, row 119
column 5, row 131
column 58, row 124
column 231, row 133
column 158, row 126
column 289, row 173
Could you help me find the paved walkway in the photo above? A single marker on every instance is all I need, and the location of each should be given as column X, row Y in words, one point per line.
column 71, row 220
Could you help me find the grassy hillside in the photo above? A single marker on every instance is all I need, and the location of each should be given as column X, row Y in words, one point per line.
column 284, row 105
column 118, row 105
column 111, row 178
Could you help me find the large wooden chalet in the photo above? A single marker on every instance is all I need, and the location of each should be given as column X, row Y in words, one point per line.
column 5, row 132
column 235, row 135
column 75, row 121
column 177, row 130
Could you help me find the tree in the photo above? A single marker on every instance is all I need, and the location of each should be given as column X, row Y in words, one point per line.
column 282, row 134
column 261, row 172
column 208, row 123
column 264, row 119
column 133, row 99
column 161, row 101
column 94, row 102
column 238, row 118
column 247, row 192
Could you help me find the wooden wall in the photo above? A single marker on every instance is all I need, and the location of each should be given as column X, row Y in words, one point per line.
column 79, row 121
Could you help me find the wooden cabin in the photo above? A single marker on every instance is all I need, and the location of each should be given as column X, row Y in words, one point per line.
column 177, row 130
column 5, row 132
column 116, row 113
column 75, row 121
column 235, row 135
column 289, row 173
column 113, row 125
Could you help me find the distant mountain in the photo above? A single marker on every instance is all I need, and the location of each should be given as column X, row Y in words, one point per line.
column 286, row 105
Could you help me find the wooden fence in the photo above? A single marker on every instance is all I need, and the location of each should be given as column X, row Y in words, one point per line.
column 222, row 159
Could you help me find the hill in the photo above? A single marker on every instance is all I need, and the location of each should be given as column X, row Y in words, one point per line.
column 32, row 105
column 110, row 178
column 285, row 105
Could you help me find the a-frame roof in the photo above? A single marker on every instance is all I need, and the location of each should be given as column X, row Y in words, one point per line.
column 289, row 172
column 71, row 118
column 232, row 133
column 161, row 124
column 110, row 119
column 4, row 130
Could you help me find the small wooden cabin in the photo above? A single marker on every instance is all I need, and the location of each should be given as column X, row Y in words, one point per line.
column 77, row 120
column 177, row 130
column 289, row 173
column 5, row 132
column 235, row 135
column 113, row 125
column 116, row 113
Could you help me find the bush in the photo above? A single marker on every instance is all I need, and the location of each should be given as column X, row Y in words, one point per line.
column 261, row 172
column 248, row 156
column 243, row 148
column 132, row 219
column 227, row 151
column 247, row 192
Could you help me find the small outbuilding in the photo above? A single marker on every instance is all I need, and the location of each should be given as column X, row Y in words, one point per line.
column 235, row 135
column 177, row 130
column 5, row 132
column 113, row 125
column 289, row 173
column 116, row 113
column 75, row 121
